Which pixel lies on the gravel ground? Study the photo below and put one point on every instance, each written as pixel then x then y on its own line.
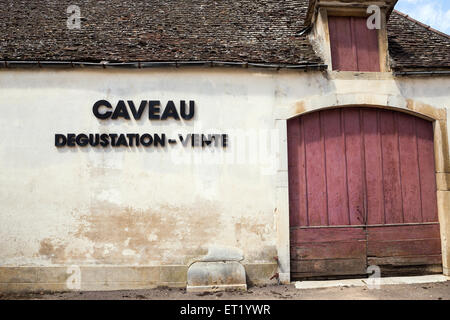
pixel 431 291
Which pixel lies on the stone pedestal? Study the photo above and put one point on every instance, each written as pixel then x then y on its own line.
pixel 219 270
pixel 216 276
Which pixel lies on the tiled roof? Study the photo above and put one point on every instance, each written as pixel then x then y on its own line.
pixel 415 45
pixel 255 31
pixel 263 31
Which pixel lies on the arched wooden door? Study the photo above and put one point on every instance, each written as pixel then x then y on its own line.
pixel 362 191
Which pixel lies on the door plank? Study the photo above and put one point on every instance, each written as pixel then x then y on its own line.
pixel 354 165
pixel 409 167
pixel 315 171
pixel 414 232
pixel 336 175
pixel 329 250
pixel 332 267
pixel 406 260
pixel 366 43
pixel 391 169
pixel 425 146
pixel 326 235
pixel 297 178
pixel 373 165
pixel 343 51
pixel 403 248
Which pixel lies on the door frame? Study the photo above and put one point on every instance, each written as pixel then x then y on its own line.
pixel 442 167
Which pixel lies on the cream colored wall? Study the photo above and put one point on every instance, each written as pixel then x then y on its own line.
pixel 165 206
pixel 139 206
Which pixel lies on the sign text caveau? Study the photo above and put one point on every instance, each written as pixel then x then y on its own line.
pixel 153 110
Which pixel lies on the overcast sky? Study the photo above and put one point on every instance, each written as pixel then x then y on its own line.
pixel 435 13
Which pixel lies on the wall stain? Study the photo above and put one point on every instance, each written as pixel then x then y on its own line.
pixel 265 255
pixel 300 107
pixel 52 250
pixel 426 109
pixel 165 234
pixel 248 233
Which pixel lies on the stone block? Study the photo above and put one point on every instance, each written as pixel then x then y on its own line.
pixel 443 198
pixel 260 273
pixel 443 181
pixel 18 274
pixel 102 286
pixel 145 274
pixel 442 153
pixel 52 275
pixel 93 274
pixel 173 275
pixel 216 276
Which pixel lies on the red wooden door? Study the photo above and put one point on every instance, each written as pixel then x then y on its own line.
pixel 354 47
pixel 361 192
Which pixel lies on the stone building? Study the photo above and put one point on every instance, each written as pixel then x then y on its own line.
pixel 143 139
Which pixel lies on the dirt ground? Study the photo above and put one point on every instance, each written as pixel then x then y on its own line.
pixel 431 291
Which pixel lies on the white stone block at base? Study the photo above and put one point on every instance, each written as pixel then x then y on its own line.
pixel 410 280
pixel 329 284
pixel 370 282
pixel 217 288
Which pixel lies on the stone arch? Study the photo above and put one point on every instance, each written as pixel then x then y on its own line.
pixel 438 115
pixel 385 101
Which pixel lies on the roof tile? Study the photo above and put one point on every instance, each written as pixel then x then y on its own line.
pixel 258 31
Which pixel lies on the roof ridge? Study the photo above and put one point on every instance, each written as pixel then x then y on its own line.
pixel 422 24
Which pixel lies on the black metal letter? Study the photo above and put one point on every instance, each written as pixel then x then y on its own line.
pixel 121 111
pixel 137 114
pixel 153 110
pixel 170 111
pixel 60 140
pixel 97 106
pixel 190 115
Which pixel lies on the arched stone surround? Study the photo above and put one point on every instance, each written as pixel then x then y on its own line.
pixel 437 114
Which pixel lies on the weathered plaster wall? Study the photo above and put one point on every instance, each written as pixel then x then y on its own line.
pixel 133 206
pixel 159 207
